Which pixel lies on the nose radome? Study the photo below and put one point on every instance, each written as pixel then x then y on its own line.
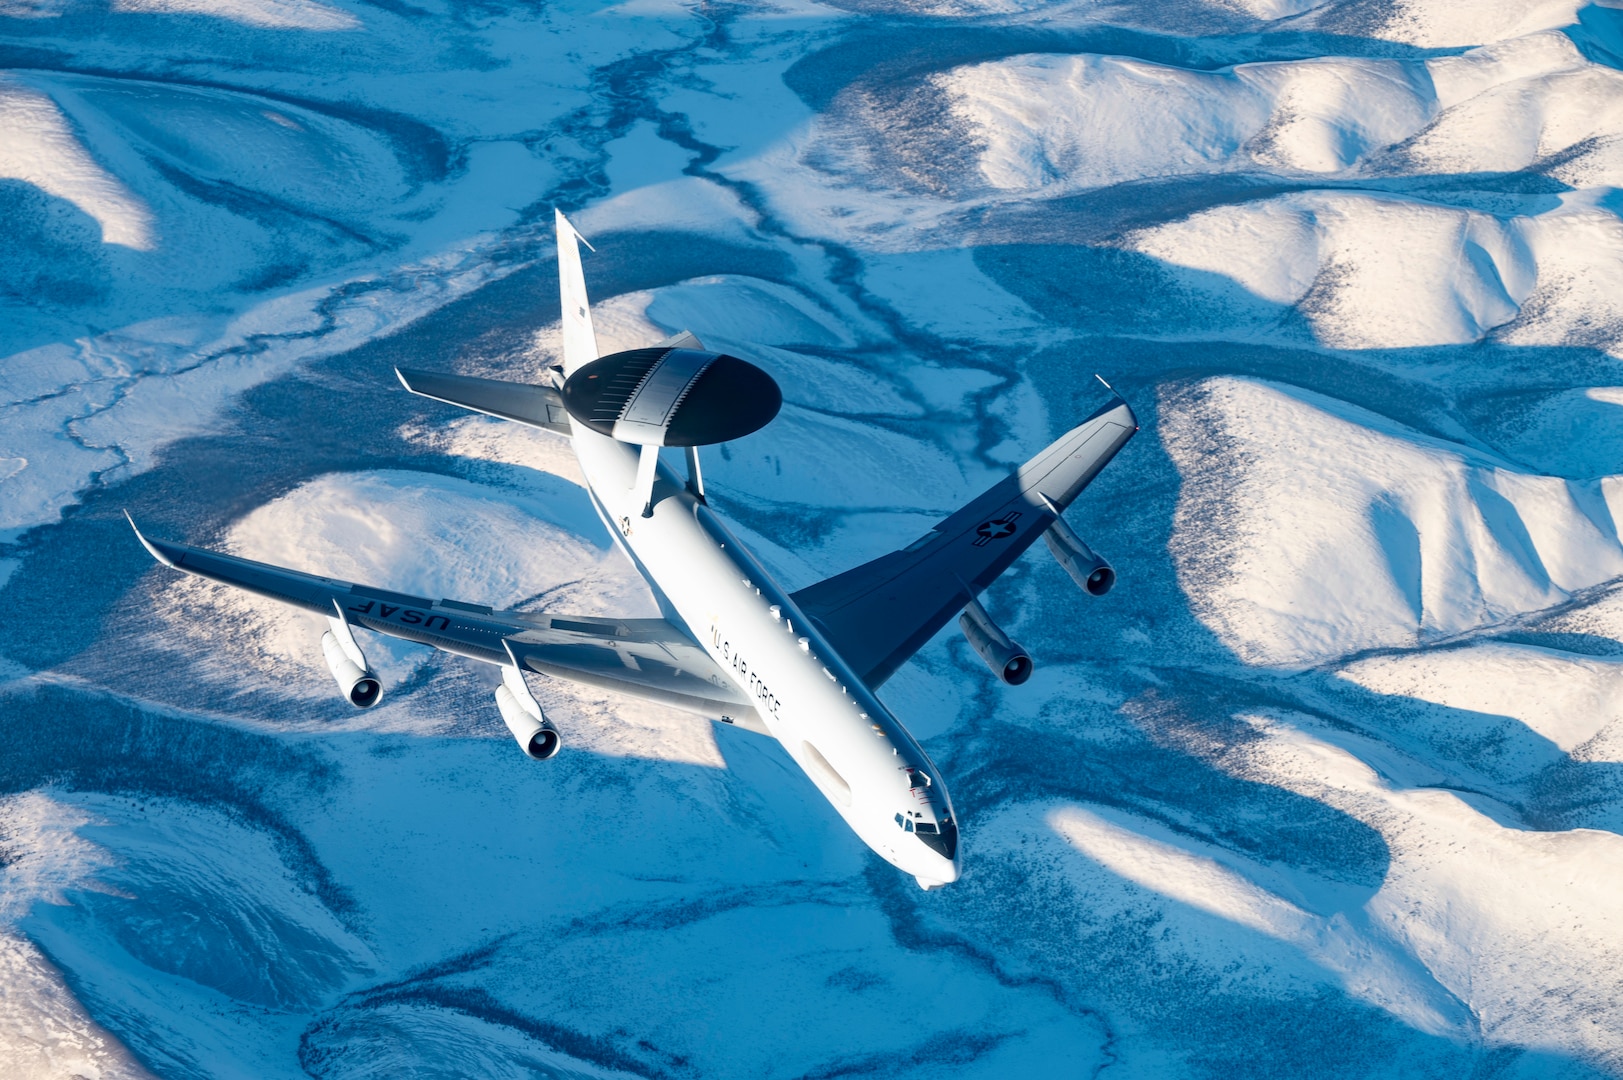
pixel 943 872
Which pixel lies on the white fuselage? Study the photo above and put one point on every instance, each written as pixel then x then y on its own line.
pixel 863 761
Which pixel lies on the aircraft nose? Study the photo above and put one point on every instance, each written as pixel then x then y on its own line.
pixel 943 873
pixel 942 840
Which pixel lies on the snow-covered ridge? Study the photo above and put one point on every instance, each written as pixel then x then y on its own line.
pixel 1383 271
pixel 41 149
pixel 1516 720
pixel 1396 227
pixel 1214 883
pixel 1474 901
pixel 1311 530
pixel 1425 23
pixel 280 14
pixel 1057 123
pixel 212 190
pixel 1328 786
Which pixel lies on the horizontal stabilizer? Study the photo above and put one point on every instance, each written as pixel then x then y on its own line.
pixel 682 340
pixel 537 406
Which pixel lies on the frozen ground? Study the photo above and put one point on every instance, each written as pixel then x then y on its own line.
pixel 1331 785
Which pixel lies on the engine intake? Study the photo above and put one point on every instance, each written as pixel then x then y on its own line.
pixel 521 713
pixel 358 683
pixel 1086 568
pixel 1007 659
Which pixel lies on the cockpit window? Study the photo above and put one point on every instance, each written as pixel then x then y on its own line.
pixel 943 842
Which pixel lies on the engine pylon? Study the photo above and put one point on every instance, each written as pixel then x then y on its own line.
pixel 522 714
pixel 1008 660
pixel 1086 567
pixel 356 681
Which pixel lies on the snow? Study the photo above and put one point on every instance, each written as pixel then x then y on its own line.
pixel 1087 121
pixel 48 1033
pixel 106 417
pixel 1383 272
pixel 1139 853
pixel 1059 122
pixel 1567 700
pixel 1572 432
pixel 1342 532
pixel 913 285
pixel 1479 903
pixel 1327 786
pixel 41 150
pixel 1435 23
pixel 1452 278
pixel 45 1031
pixel 281 14
pixel 747 310
pixel 238 234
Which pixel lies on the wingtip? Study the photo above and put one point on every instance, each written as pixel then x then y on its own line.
pixel 401 375
pixel 152 549
pixel 1121 401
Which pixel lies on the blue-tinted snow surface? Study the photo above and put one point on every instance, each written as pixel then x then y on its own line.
pixel 1331 785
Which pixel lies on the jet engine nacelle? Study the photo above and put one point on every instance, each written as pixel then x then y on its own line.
pixel 1008 660
pixel 523 716
pixel 359 685
pixel 1084 565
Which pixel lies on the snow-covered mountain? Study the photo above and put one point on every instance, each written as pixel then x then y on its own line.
pixel 1331 785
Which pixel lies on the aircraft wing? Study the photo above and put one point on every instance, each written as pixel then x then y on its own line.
pixel 648 658
pixel 879 614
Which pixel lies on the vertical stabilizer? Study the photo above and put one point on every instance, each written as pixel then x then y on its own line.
pixel 580 343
